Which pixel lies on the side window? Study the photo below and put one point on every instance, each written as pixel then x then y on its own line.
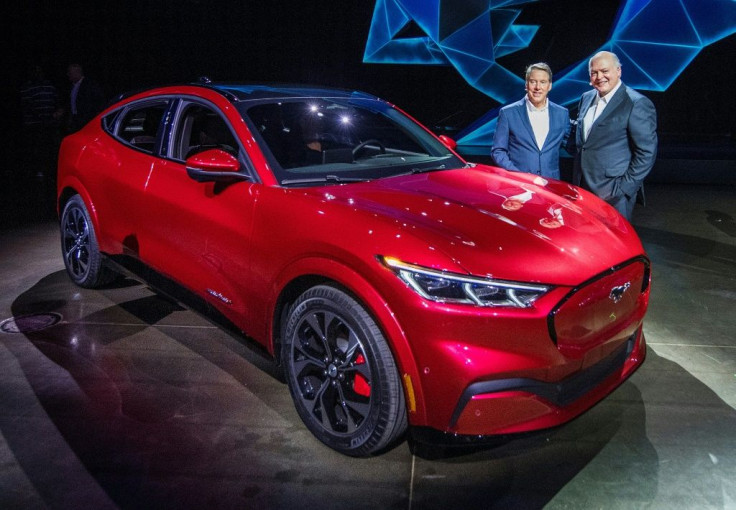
pixel 201 128
pixel 140 125
pixel 108 121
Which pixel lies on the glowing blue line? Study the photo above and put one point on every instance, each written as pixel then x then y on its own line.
pixel 641 69
pixel 690 20
pixel 652 43
pixel 648 19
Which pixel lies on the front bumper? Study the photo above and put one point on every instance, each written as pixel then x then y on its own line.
pixel 522 404
pixel 490 372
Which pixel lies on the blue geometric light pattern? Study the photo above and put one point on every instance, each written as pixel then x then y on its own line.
pixel 467 34
pixel 655 40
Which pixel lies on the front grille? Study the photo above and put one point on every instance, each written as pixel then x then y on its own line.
pixel 605 309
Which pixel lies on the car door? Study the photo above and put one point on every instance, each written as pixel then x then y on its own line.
pixel 119 184
pixel 198 233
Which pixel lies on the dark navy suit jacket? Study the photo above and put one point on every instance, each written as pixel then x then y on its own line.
pixel 514 145
pixel 90 102
pixel 620 150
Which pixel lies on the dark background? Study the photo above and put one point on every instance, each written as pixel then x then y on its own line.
pixel 126 45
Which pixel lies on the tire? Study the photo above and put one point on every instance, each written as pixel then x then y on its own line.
pixel 341 373
pixel 82 257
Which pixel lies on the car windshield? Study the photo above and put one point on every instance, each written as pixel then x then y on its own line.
pixel 312 141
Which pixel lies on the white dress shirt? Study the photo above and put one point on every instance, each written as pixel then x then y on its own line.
pixel 539 119
pixel 595 110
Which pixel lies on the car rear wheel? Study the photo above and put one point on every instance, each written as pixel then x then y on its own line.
pixel 342 374
pixel 82 257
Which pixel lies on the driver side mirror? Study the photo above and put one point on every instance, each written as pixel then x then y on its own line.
pixel 214 165
pixel 449 142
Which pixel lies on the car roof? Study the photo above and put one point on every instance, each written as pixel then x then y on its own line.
pixel 237 92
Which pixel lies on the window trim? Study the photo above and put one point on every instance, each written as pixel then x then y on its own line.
pixel 121 113
pixel 174 118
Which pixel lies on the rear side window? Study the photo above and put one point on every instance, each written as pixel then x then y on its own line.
pixel 140 125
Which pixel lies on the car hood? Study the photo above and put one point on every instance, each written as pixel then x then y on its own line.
pixel 505 225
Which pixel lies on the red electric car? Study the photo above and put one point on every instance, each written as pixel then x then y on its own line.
pixel 394 283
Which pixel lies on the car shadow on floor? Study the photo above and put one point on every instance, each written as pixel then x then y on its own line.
pixel 166 411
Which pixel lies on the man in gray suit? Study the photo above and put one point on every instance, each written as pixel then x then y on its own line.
pixel 616 138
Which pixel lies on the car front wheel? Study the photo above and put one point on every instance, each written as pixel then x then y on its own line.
pixel 82 257
pixel 342 374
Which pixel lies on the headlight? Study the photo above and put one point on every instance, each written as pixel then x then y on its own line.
pixel 455 288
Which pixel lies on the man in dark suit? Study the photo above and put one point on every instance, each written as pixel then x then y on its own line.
pixel 86 98
pixel 529 132
pixel 616 136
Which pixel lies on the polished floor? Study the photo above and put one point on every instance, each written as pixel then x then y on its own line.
pixel 131 402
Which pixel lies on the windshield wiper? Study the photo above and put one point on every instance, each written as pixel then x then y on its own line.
pixel 427 169
pixel 329 179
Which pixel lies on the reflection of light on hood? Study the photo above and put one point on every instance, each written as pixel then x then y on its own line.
pixel 500 217
pixel 555 220
pixel 556 212
pixel 511 222
pixel 540 235
pixel 523 197
pixel 573 207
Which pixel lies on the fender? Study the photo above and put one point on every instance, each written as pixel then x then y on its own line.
pixel 73 186
pixel 376 305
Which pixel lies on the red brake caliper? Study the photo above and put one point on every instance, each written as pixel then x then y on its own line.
pixel 360 385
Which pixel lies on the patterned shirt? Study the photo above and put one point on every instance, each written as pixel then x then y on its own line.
pixel 38 102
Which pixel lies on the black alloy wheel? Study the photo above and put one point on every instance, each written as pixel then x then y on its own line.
pixel 82 257
pixel 341 373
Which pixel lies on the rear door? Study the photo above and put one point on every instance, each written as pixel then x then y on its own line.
pixel 120 192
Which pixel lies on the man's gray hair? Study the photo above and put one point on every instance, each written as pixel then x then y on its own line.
pixel 608 54
pixel 540 66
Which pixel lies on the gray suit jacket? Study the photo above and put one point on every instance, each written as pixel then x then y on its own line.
pixel 621 147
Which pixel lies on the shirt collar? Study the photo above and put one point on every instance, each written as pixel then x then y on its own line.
pixel 610 94
pixel 530 107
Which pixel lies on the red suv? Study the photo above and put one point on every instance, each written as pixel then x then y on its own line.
pixel 394 283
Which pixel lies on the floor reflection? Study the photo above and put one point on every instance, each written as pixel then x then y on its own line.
pixel 151 410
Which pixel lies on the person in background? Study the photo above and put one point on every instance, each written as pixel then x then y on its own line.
pixel 39 102
pixel 530 132
pixel 616 136
pixel 86 99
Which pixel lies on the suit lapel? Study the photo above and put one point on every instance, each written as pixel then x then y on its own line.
pixel 527 123
pixel 615 101
pixel 553 124
pixel 586 103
